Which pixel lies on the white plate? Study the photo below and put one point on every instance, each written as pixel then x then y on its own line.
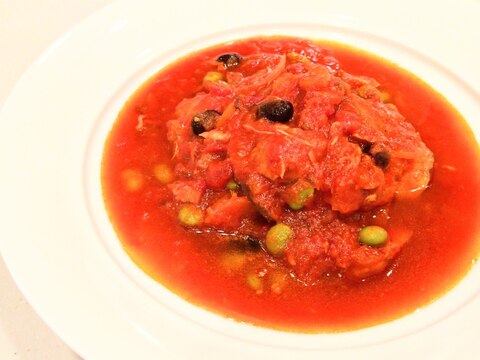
pixel 55 236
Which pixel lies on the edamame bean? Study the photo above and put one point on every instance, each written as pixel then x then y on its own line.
pixel 277 238
pixel 190 215
pixel 232 185
pixel 163 173
pixel 132 180
pixel 301 199
pixel 213 76
pixel 373 235
pixel 254 282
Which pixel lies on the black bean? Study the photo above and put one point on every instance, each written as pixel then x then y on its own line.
pixel 244 243
pixel 204 121
pixel 230 61
pixel 252 243
pixel 382 159
pixel 380 156
pixel 276 111
pixel 365 145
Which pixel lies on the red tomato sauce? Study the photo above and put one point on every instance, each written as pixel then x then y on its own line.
pixel 158 175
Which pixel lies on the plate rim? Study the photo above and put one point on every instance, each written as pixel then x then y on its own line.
pixel 54 47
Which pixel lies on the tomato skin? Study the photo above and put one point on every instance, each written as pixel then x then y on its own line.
pixel 228 212
pixel 218 174
pixel 188 191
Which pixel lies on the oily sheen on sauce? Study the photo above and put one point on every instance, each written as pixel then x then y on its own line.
pixel 236 276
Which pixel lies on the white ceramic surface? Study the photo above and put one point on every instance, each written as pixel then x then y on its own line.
pixel 26 29
pixel 57 240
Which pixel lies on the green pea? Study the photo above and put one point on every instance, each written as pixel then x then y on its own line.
pixel 277 238
pixel 213 76
pixel 373 235
pixel 163 173
pixel 232 185
pixel 254 282
pixel 295 205
pixel 301 199
pixel 190 215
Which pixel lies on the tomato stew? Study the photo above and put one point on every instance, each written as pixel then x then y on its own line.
pixel 299 185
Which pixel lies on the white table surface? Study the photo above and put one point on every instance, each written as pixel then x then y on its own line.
pixel 26 28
